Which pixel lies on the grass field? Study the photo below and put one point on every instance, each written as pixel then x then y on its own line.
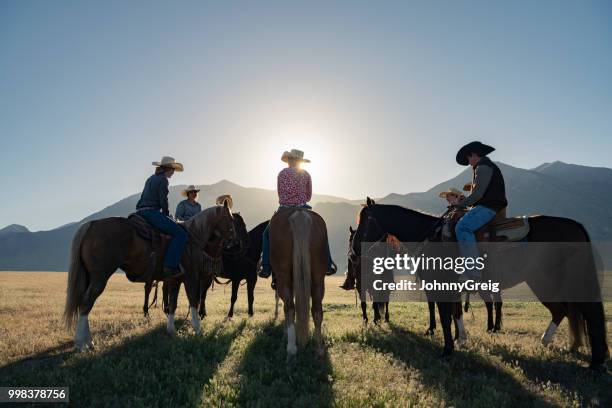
pixel 242 362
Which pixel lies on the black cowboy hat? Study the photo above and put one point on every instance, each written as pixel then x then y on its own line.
pixel 480 149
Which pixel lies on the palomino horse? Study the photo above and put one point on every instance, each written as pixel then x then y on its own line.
pixel 410 226
pixel 100 247
pixel 298 256
pixel 239 268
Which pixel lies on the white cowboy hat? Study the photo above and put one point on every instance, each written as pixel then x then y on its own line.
pixel 451 190
pixel 225 197
pixel 168 161
pixel 186 191
pixel 294 154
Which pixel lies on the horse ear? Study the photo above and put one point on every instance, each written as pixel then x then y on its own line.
pixel 368 201
pixel 351 230
pixel 225 204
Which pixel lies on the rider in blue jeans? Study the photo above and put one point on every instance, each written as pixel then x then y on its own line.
pixel 153 206
pixel 488 197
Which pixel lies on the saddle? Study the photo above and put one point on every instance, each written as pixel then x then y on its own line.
pixel 499 229
pixel 158 243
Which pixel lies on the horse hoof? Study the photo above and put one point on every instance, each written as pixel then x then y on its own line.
pixel 227 319
pixel 461 342
pixel 430 332
pixel 599 368
pixel 446 355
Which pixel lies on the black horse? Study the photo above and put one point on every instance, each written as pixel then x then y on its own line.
pixel 376 306
pixel 239 266
pixel 407 225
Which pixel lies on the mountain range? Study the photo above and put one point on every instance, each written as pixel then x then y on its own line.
pixel 580 192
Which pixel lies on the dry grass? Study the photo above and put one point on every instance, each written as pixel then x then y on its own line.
pixel 243 362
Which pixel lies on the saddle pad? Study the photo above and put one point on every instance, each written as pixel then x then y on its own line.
pixel 144 229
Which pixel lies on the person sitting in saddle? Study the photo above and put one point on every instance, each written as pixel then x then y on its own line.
pixel 188 207
pixel 294 187
pixel 487 198
pixel 153 207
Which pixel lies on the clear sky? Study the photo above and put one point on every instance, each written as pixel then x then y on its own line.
pixel 379 94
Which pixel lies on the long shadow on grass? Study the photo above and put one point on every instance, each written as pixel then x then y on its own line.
pixel 467 379
pixel 149 370
pixel 588 385
pixel 267 379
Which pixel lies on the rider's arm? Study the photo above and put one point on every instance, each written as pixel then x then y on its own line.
pixel 482 178
pixel 308 186
pixel 163 196
pixel 180 211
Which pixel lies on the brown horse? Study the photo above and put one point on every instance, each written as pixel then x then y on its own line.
pixel 101 247
pixel 298 240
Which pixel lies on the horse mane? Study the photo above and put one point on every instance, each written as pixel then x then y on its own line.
pixel 199 222
pixel 404 223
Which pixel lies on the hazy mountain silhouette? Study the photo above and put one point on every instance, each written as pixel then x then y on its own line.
pixel 579 192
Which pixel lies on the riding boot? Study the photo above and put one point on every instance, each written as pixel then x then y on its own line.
pixel 264 270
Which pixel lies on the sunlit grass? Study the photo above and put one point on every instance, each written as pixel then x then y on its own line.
pixel 243 362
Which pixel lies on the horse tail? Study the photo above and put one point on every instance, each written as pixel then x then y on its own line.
pixel 301 225
pixel 77 278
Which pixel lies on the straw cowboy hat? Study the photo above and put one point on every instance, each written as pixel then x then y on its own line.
pixel 189 189
pixel 168 162
pixel 451 190
pixel 225 197
pixel 480 149
pixel 294 154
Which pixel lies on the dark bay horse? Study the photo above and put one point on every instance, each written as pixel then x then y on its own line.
pixel 239 268
pixel 101 247
pixel 376 306
pixel 298 256
pixel 410 226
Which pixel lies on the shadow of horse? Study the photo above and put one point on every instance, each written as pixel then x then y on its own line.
pixel 151 369
pixel 267 379
pixel 463 381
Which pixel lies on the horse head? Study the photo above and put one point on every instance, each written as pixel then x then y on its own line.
pixel 237 245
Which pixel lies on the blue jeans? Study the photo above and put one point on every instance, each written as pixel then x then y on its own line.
pixel 168 226
pixel 265 245
pixel 465 229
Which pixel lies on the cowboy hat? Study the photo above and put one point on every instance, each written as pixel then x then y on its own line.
pixel 294 154
pixel 225 197
pixel 480 149
pixel 451 190
pixel 189 189
pixel 168 162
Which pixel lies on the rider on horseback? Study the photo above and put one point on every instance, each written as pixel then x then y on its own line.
pixel 188 207
pixel 487 198
pixel 294 187
pixel 153 207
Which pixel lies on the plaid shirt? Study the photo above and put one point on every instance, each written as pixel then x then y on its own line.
pixel 294 187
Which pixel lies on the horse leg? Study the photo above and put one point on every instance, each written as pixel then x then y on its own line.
pixel 173 291
pixel 251 281
pixel 386 312
pixel 459 326
pixel 289 308
pixel 558 312
pixel 364 312
pixel 235 284
pixel 594 316
pixel 145 308
pixel 375 306
pixel 432 319
pixel 82 338
pixel 204 286
pixel 317 292
pixel 165 299
pixel 445 311
pixel 498 313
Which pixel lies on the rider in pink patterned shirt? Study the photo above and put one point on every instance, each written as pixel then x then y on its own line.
pixel 294 190
pixel 294 187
